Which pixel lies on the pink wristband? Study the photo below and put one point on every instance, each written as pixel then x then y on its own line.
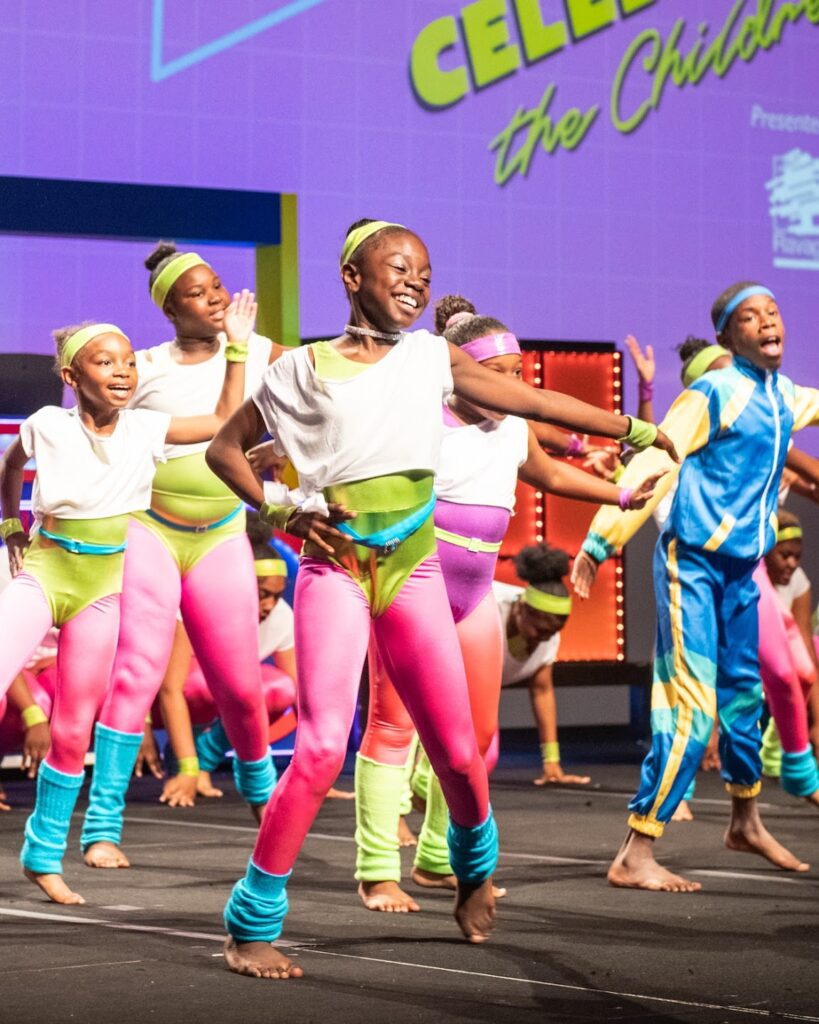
pixel 646 390
pixel 574 445
pixel 625 498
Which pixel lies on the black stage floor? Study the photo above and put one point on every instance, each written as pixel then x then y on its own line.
pixel 147 945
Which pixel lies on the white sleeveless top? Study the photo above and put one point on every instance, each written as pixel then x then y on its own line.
pixel 81 475
pixel 386 419
pixel 480 461
pixel 515 671
pixel 192 389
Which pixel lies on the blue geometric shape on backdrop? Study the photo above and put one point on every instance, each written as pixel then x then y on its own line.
pixel 161 69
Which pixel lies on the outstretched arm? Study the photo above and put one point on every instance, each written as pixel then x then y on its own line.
pixel 507 395
pixel 547 474
pixel 646 368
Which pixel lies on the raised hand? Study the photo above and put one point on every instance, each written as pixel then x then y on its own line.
pixel 664 441
pixel 584 573
pixel 643 361
pixel 240 317
pixel 603 462
pixel 645 492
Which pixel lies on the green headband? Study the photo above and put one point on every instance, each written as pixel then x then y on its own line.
pixel 557 604
pixel 699 364
pixel 170 274
pixel 789 533
pixel 360 235
pixel 270 567
pixel 81 337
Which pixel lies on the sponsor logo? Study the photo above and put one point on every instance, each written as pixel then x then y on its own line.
pixel 793 194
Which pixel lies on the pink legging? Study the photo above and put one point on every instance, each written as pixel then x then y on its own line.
pixel 85 656
pixel 389 733
pixel 785 665
pixel 417 640
pixel 219 603
pixel 278 690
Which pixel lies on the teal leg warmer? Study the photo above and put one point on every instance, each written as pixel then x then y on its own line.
pixel 211 746
pixel 257 906
pixel 115 754
pixel 47 827
pixel 800 776
pixel 255 780
pixel 473 852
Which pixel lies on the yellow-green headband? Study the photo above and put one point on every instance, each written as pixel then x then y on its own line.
pixel 81 337
pixel 169 275
pixel 557 604
pixel 789 533
pixel 270 567
pixel 698 365
pixel 360 235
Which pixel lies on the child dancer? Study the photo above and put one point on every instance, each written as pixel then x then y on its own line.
pixel 787 657
pixel 94 467
pixel 734 426
pixel 483 454
pixel 360 419
pixel 188 551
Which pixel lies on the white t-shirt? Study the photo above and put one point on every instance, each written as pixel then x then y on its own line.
pixel 81 475
pixel 515 671
pixel 276 631
pixel 798 585
pixel 479 462
pixel 192 389
pixel 386 419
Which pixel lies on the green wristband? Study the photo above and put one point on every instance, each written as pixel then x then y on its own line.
pixel 550 752
pixel 10 526
pixel 189 766
pixel 33 715
pixel 640 435
pixel 277 516
pixel 236 351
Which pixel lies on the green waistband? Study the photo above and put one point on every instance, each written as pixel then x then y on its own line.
pixel 394 493
pixel 470 543
pixel 111 530
pixel 185 488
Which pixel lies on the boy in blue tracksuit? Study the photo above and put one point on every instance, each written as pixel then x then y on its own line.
pixel 734 428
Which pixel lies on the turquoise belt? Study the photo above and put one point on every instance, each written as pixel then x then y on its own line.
pixel 202 528
pixel 388 539
pixel 83 547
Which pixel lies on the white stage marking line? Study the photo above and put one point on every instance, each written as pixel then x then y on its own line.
pixel 794 878
pixel 542 858
pixel 302 947
pixel 614 794
pixel 72 967
pixel 227 828
pixel 753 1011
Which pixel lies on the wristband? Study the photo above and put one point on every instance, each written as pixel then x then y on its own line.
pixel 645 390
pixel 276 515
pixel 574 446
pixel 550 752
pixel 10 526
pixel 236 351
pixel 624 501
pixel 33 715
pixel 640 434
pixel 189 766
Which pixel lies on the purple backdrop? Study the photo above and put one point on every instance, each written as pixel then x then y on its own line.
pixel 629 232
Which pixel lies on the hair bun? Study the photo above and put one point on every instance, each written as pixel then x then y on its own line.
pixel 162 251
pixel 448 307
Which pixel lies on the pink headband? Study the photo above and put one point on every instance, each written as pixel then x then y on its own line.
pixel 456 318
pixel 490 345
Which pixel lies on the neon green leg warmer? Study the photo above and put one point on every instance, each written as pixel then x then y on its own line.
pixel 378 789
pixel 433 852
pixel 421 774
pixel 406 797
pixel 771 751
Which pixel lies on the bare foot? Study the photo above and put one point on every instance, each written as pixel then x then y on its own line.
pixel 259 960
pixel 339 794
pixel 553 775
pixel 431 880
pixel 747 834
pixel 406 837
pixel 475 910
pixel 683 812
pixel 386 896
pixel 54 887
pixel 205 786
pixel 634 867
pixel 813 798
pixel 105 855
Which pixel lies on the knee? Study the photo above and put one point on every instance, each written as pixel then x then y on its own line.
pixel 319 763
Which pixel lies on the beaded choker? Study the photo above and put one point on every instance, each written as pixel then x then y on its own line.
pixel 368 332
